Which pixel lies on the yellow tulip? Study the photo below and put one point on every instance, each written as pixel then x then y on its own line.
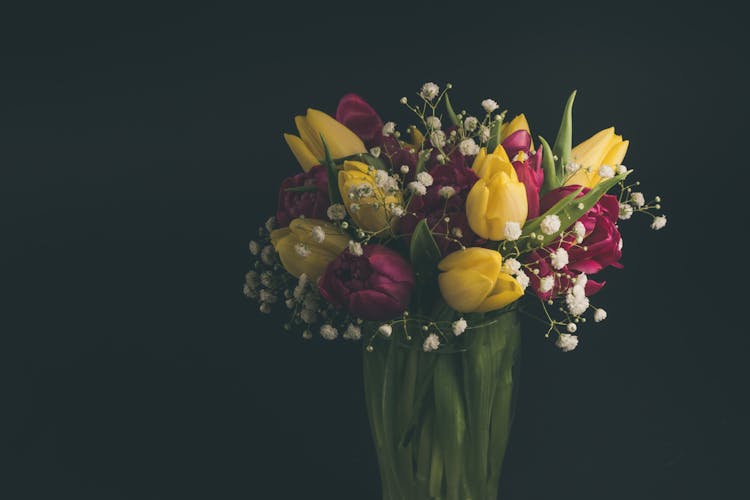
pixel 308 146
pixel 603 148
pixel 473 281
pixel 516 124
pixel 498 197
pixel 301 249
pixel 372 211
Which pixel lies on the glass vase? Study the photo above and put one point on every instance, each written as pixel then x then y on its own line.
pixel 441 420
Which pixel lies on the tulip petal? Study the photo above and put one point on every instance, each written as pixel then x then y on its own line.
pixel 616 154
pixel 486 261
pixel 479 160
pixel 505 291
pixel 303 154
pixel 464 289
pixel 516 124
pixel 590 152
pixel 476 208
pixel 310 137
pixel 341 141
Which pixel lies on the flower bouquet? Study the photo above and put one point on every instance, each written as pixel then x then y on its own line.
pixel 421 245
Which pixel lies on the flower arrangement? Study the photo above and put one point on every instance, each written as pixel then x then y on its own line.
pixel 422 243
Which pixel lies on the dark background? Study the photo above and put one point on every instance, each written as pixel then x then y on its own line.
pixel 140 147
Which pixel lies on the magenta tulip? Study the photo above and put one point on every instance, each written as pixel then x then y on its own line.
pixel 360 118
pixel 374 286
pixel 528 167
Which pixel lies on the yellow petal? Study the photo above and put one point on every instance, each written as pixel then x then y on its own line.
pixel 335 241
pixel 505 291
pixel 582 177
pixel 500 151
pixel 303 154
pixel 310 137
pixel 516 124
pixel 590 152
pixel 494 164
pixel 278 234
pixel 479 159
pixel 616 154
pixel 476 208
pixel 464 289
pixel 483 260
pixel 507 203
pixel 341 141
pixel 417 138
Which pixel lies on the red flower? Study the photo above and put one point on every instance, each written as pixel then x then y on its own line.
pixel 600 248
pixel 528 167
pixel 434 207
pixel 312 204
pixel 360 118
pixel 374 286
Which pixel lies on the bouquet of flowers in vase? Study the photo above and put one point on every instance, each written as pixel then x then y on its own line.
pixel 421 244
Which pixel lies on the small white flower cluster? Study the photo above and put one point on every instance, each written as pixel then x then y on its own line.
pixel 513 267
pixel 419 186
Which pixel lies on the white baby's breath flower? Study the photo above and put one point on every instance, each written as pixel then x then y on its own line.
pixel 659 222
pixel 468 147
pixel 447 191
pixel 456 231
pixel 254 247
pixel 354 207
pixel 385 330
pixel 290 303
pixel 266 278
pixel 620 243
pixel 404 169
pixel 265 308
pixel 433 123
pixel 328 332
pixel 550 224
pixel 471 123
pixel 522 279
pixel 270 223
pixel 417 188
pixel 431 343
pixel 580 231
pixel 512 231
pixel 353 332
pixel 437 138
pixel 429 91
pixel 355 248
pixel 268 296
pixel 581 280
pixel 511 266
pixel 489 105
pixel 546 283
pixel 600 315
pixel 621 169
pixel 375 151
pixel 559 258
pixel 637 199
pixel 337 211
pixel 567 342
pixel 425 178
pixel 626 211
pixel 389 128
pixel 397 211
pixel 577 301
pixel 308 316
pixel 318 234
pixel 459 326
pixel 606 172
pixel 302 249
pixel 572 167
pixel 571 327
pixel 268 255
pixel 307 335
pixel 484 134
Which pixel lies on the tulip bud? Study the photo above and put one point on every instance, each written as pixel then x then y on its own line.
pixel 369 207
pixel 300 252
pixel 308 147
pixel 473 281
pixel 497 197
pixel 603 148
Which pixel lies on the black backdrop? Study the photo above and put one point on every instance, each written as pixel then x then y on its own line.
pixel 141 147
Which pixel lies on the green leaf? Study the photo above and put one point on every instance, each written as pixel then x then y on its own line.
pixel 564 140
pixel 551 180
pixel 424 255
pixel 333 174
pixel 451 113
pixel 569 210
pixel 421 160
